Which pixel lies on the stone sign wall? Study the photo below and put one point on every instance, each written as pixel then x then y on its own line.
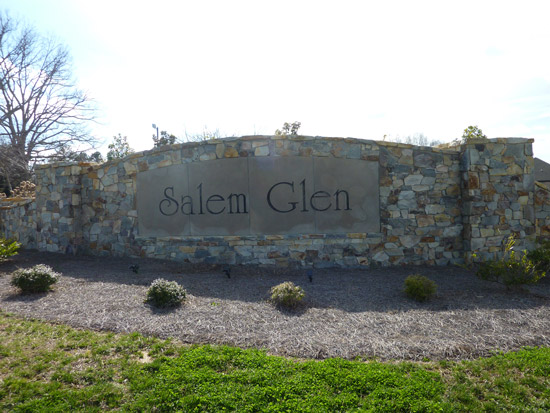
pixel 303 201
pixel 244 196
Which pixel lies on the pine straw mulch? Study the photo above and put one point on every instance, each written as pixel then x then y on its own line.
pixel 347 313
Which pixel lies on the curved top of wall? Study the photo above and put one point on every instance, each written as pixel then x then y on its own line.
pixel 266 145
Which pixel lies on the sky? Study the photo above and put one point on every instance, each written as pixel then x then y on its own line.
pixel 360 69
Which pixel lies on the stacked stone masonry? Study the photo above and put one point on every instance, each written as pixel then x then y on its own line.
pixel 438 206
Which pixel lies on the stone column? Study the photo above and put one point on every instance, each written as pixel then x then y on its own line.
pixel 58 202
pixel 498 195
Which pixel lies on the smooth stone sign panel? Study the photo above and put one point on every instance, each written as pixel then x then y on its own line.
pixel 263 195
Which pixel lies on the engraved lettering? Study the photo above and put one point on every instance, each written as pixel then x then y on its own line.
pixel 291 184
pixel 168 206
pixel 214 198
pixel 319 195
pixel 238 198
pixel 185 203
pixel 200 199
pixel 303 185
pixel 336 195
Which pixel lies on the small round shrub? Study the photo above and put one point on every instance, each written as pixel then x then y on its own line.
pixel 163 293
pixel 287 294
pixel 36 279
pixel 419 288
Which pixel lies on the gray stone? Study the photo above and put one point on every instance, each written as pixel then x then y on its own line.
pixel 95 229
pixel 381 256
pixel 517 151
pixel 424 159
pixel 414 179
pixel 409 241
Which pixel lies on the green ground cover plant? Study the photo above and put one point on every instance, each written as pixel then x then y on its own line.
pixel 45 367
pixel 8 248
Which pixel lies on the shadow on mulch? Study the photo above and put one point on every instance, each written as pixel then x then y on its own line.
pixel 351 290
pixel 25 297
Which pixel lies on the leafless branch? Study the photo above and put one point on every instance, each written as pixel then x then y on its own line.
pixel 41 109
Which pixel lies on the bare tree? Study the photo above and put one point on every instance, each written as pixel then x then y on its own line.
pixel 13 168
pixel 205 135
pixel 41 110
pixel 418 139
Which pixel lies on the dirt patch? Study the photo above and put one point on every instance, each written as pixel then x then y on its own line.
pixel 348 313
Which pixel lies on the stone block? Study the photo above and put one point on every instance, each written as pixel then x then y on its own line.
pixel 414 179
pixel 433 209
pixel 424 220
pixel 409 241
pixel 261 151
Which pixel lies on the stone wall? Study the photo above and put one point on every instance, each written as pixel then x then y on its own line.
pixel 542 210
pixel 437 205
pixel 18 220
pixel 498 195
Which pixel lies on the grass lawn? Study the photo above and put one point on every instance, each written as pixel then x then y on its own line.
pixel 48 367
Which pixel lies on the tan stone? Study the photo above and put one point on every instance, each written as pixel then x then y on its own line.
pixel 231 153
pixel 487 232
pixel 166 162
pixel 187 250
pixel 424 220
pixel 442 218
pixel 275 237
pixel 453 190
pixel 406 157
pixel 129 167
pixel 385 181
pixel 514 169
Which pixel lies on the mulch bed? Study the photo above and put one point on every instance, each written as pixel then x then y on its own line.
pixel 347 313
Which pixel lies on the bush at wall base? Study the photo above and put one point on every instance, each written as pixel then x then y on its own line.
pixel 37 279
pixel 8 248
pixel 419 287
pixel 287 295
pixel 163 293
pixel 541 256
pixel 515 269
